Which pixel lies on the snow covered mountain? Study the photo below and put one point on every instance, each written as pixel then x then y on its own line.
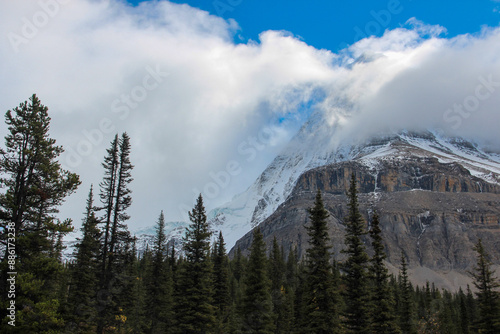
pixel 174 231
pixel 316 145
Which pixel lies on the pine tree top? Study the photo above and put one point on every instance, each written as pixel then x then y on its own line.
pixel 197 238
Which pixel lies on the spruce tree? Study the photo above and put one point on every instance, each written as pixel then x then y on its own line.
pixel 276 266
pixel 292 268
pixel 126 316
pixel 301 300
pixel 195 310
pixel 446 317
pixel 280 292
pixel 383 305
pixel 159 286
pixel 471 305
pixel 123 199
pixel 115 197
pixel 35 185
pixel 238 264
pixel 222 299
pixel 137 312
pixel 83 288
pixel 357 313
pixel 464 313
pixel 237 272
pixel 488 298
pixel 406 305
pixel 256 312
pixel 321 294
pixel 107 195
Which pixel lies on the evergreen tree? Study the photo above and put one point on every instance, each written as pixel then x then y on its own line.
pixel 471 305
pixel 464 314
pixel 124 287
pixel 138 314
pixel 256 312
pixel 428 302
pixel 35 186
pixel 321 295
pixel 292 268
pixel 276 266
pixel 280 292
pixel 115 197
pixel 195 310
pixel 356 274
pixel 301 300
pixel 107 195
pixel 132 313
pixel 447 317
pixel 291 286
pixel 405 306
pixel 123 200
pixel 238 264
pixel 159 286
pixel 221 285
pixel 83 288
pixel 488 298
pixel 383 305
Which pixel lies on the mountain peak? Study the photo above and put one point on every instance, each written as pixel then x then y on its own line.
pixel 318 143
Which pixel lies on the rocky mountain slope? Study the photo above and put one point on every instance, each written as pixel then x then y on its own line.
pixel 316 145
pixel 435 197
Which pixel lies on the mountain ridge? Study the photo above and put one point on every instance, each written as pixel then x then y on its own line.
pixel 435 199
pixel 275 184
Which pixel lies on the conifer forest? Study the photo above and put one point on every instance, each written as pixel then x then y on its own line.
pixel 107 286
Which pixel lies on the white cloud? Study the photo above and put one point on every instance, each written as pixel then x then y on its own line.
pixel 212 95
pixel 447 74
pixel 86 59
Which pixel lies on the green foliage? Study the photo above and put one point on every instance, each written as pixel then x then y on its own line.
pixel 35 186
pixel 115 197
pixel 406 301
pixel 488 298
pixel 222 299
pixel 382 303
pixel 357 292
pixel 195 311
pixel 34 180
pixel 281 293
pixel 256 313
pixel 84 272
pixel 159 284
pixel 321 291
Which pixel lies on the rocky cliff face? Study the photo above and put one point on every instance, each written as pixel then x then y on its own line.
pixel 433 211
pixel 423 173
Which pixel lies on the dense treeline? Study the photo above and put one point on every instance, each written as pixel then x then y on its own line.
pixel 108 287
